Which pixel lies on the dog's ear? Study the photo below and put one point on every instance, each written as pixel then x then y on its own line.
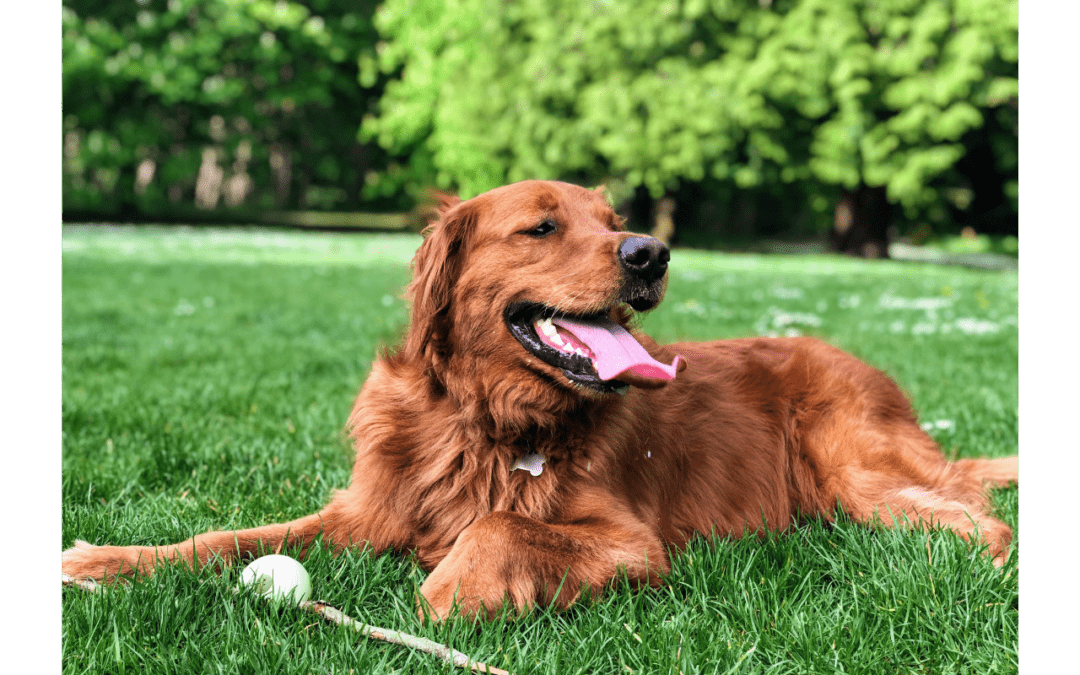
pixel 446 202
pixel 436 267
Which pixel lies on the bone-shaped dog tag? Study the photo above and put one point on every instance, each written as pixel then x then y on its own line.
pixel 533 462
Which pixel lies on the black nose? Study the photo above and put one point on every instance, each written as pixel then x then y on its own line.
pixel 644 257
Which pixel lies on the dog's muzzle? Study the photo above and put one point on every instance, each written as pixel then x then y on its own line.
pixel 644 262
pixel 594 350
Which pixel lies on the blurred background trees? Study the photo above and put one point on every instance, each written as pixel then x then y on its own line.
pixel 187 107
pixel 730 119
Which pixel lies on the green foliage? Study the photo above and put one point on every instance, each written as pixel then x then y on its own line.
pixel 808 92
pixel 256 103
pixel 260 96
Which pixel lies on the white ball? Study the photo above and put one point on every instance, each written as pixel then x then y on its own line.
pixel 278 577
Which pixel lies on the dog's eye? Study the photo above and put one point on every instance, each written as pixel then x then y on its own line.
pixel 546 227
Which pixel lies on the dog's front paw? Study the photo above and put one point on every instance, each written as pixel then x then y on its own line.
pixel 444 595
pixel 104 563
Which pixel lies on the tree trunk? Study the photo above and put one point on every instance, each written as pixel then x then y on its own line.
pixel 861 223
pixel 663 224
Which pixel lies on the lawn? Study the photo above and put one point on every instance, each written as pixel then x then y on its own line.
pixel 207 374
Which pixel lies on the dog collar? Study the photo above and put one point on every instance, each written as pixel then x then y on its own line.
pixel 533 462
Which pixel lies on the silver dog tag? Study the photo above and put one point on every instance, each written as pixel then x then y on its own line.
pixel 533 462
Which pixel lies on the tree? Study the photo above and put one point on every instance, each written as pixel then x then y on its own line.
pixel 213 102
pixel 822 96
pixel 903 83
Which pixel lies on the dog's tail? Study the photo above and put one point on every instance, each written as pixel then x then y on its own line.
pixel 1000 472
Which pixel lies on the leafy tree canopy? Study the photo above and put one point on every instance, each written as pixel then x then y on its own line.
pixel 837 92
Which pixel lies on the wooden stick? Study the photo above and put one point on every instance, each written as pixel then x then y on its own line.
pixel 335 615
pixel 396 637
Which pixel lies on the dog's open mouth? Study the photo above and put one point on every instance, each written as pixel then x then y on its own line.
pixel 593 351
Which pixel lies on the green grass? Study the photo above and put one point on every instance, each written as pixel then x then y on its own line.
pixel 207 375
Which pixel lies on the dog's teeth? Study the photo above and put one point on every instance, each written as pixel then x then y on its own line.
pixel 549 329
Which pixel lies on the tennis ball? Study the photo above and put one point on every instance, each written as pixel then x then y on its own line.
pixel 278 577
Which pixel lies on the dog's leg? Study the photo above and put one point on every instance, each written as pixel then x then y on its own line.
pixel 923 507
pixel 887 469
pixel 86 561
pixel 506 557
pixel 1000 472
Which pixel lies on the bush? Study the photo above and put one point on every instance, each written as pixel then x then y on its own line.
pixel 211 103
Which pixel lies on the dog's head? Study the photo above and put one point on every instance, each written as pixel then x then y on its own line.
pixel 537 281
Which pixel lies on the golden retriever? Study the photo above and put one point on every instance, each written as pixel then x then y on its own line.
pixel 527 442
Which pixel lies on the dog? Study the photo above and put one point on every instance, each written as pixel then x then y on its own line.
pixel 529 444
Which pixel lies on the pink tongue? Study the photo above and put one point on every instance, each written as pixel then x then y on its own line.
pixel 616 351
